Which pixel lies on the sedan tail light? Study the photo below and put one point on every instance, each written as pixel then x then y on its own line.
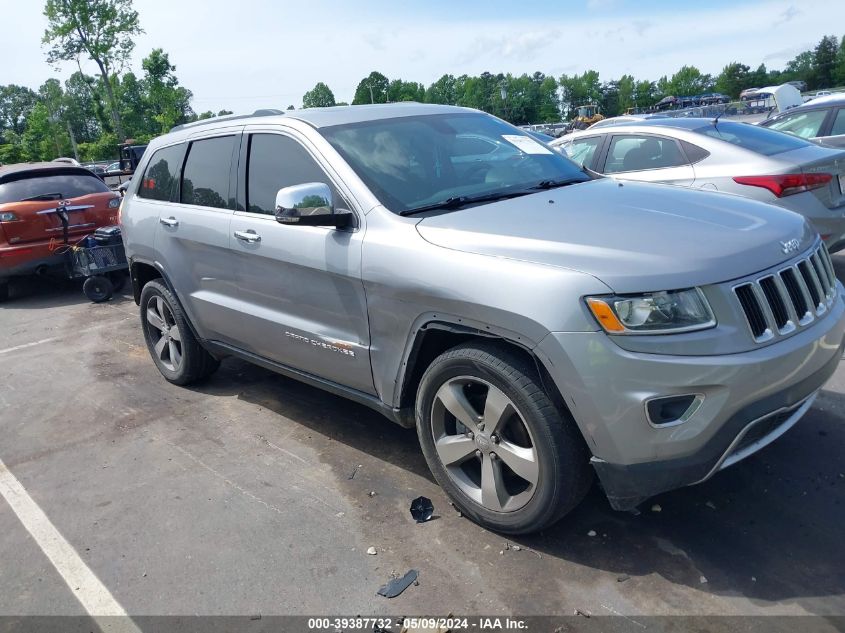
pixel 786 184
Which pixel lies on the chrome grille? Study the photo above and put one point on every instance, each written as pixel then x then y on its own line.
pixel 776 304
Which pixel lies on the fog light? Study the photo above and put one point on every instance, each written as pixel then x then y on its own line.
pixel 672 410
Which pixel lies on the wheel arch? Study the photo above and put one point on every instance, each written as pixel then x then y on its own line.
pixel 433 337
pixel 142 272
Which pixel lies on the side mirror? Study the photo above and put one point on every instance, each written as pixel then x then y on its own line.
pixel 309 204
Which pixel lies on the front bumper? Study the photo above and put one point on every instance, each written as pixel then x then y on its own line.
pixel 750 398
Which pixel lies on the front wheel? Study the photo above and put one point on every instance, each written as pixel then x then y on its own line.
pixel 171 343
pixel 496 443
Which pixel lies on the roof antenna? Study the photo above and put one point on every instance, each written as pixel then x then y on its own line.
pixel 716 120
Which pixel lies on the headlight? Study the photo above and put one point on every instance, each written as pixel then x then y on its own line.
pixel 114 203
pixel 653 312
pixel 8 216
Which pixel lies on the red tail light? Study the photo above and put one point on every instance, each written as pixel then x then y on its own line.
pixel 786 184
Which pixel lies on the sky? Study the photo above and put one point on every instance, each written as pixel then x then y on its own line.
pixel 251 54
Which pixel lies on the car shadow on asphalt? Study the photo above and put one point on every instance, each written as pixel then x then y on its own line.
pixel 28 293
pixel 768 528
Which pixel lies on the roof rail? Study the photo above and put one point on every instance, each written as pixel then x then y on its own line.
pixel 230 117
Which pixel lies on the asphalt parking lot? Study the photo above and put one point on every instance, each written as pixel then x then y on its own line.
pixel 256 495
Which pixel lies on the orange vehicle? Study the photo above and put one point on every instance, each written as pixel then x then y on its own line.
pixel 33 197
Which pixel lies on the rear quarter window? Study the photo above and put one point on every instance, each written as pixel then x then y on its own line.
pixel 162 173
pixel 64 185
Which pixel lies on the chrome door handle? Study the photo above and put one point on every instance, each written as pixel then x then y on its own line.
pixel 171 221
pixel 248 236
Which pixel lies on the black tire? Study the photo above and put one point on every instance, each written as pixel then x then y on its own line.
pixel 118 280
pixel 562 458
pixel 194 362
pixel 98 288
pixel 4 291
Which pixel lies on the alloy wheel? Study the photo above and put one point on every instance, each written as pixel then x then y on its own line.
pixel 484 444
pixel 164 333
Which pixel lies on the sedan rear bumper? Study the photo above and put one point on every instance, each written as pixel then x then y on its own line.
pixel 27 259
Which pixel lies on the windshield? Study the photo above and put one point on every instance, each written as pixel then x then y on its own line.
pixel 753 137
pixel 412 162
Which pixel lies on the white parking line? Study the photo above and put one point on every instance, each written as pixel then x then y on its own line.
pixel 91 593
pixel 25 345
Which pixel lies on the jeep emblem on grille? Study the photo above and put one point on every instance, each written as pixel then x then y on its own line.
pixel 790 246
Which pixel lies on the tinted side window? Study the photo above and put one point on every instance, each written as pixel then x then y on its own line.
pixel 159 182
pixel 583 150
pixel 694 152
pixel 838 123
pixel 637 153
pixel 55 184
pixel 205 179
pixel 274 162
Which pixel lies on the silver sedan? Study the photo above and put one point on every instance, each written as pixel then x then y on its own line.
pixel 723 156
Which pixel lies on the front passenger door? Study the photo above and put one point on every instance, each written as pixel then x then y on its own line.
pixel 301 291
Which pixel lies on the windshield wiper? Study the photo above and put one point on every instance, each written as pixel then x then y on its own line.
pixel 460 201
pixel 554 184
pixel 43 196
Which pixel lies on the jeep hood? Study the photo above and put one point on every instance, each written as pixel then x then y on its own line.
pixel 634 237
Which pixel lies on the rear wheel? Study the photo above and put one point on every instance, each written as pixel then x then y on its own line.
pixel 98 288
pixel 495 441
pixel 171 343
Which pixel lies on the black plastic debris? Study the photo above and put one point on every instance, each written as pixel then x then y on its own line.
pixel 398 585
pixel 422 509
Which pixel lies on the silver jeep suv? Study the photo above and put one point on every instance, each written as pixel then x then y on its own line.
pixel 536 325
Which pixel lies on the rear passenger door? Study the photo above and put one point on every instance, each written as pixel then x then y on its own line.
pixel 647 158
pixel 301 287
pixel 192 236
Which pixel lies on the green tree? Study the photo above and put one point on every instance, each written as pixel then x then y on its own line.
pixel 626 87
pixel 102 30
pixel 580 90
pixel 824 61
pixel 167 102
pixel 801 69
pixel 371 89
pixel 733 79
pixel 399 90
pixel 16 102
pixel 689 81
pixel 320 96
pixel 224 113
pixel 443 91
pixel 839 71
pixel 79 107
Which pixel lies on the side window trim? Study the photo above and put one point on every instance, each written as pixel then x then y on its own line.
pixel 243 166
pixel 173 197
pixel 836 112
pixel 232 158
pixel 654 136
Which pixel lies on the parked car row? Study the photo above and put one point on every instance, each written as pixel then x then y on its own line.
pixel 535 324
pixel 725 156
